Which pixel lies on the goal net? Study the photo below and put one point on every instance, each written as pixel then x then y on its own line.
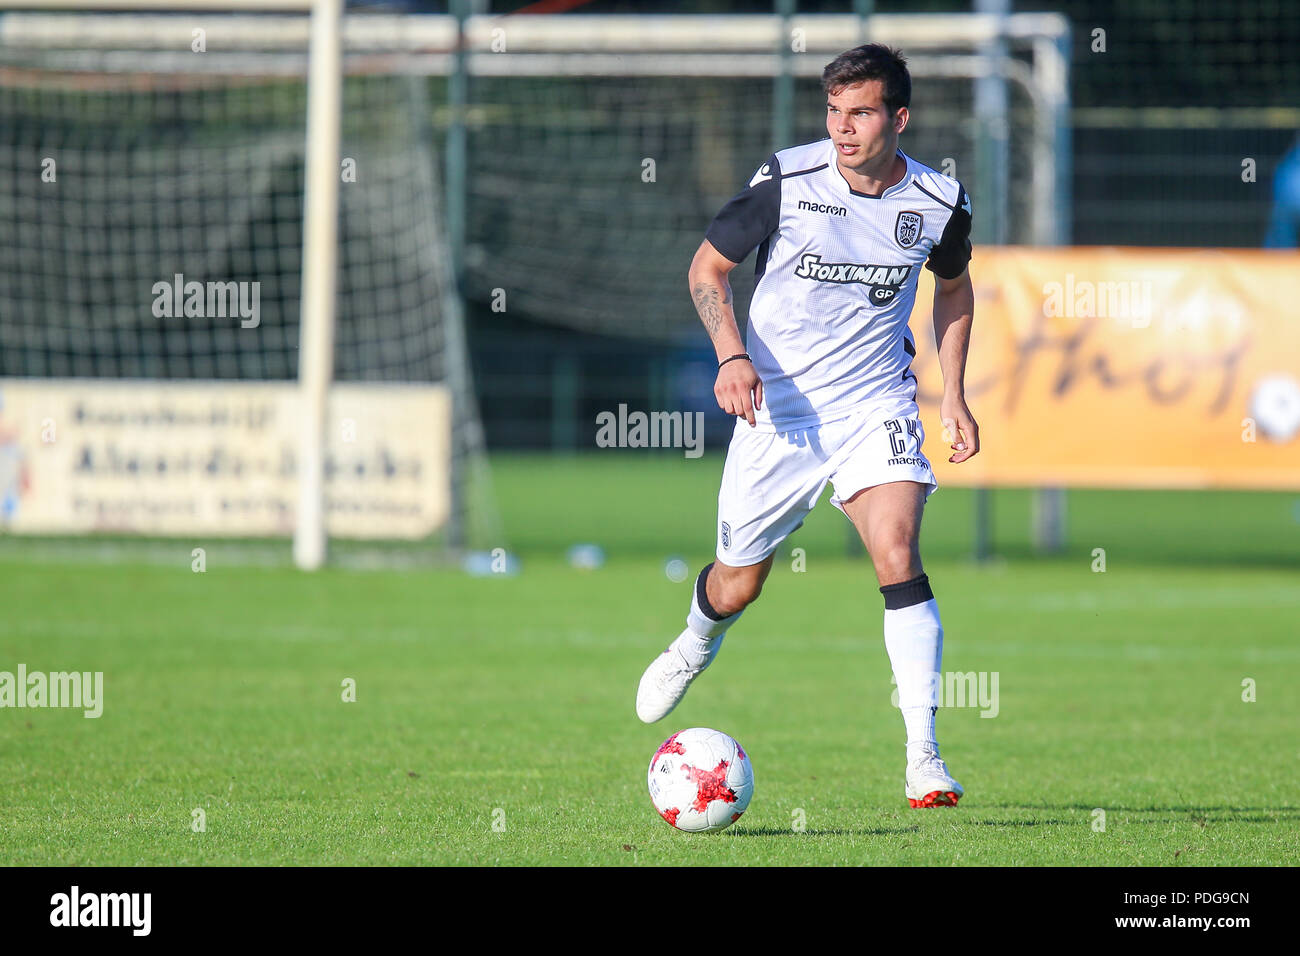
pixel 602 146
pixel 151 233
pixel 151 220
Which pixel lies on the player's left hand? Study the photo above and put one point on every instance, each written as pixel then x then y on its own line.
pixel 959 428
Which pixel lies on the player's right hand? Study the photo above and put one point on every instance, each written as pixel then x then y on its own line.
pixel 739 390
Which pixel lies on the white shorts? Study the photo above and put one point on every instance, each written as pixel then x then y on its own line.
pixel 771 480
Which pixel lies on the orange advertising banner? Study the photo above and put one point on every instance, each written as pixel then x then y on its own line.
pixel 1115 367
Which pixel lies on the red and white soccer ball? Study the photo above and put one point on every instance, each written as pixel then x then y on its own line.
pixel 700 780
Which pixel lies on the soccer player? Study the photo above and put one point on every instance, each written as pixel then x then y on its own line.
pixel 823 390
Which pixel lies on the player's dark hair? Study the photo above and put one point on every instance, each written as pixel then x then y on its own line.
pixel 873 61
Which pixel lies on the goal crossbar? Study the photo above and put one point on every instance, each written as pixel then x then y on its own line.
pixel 647 35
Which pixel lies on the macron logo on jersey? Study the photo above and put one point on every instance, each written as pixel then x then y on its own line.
pixel 763 175
pixel 821 207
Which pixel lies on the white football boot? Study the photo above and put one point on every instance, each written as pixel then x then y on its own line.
pixel 929 784
pixel 665 682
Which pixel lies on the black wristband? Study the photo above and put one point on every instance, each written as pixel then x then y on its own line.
pixel 742 355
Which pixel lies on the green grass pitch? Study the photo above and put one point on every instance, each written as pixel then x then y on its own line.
pixel 494 724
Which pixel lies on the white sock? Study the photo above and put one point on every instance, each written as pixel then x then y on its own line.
pixel 695 650
pixel 703 635
pixel 914 640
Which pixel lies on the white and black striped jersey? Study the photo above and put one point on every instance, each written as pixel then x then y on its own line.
pixel 837 280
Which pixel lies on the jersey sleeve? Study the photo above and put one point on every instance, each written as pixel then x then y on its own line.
pixel 950 255
pixel 751 216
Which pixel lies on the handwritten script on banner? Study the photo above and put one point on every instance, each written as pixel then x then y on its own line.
pixel 1113 367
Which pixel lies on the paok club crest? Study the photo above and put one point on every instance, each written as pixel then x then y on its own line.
pixel 907 230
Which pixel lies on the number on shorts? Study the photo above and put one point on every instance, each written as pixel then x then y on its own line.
pixel 895 427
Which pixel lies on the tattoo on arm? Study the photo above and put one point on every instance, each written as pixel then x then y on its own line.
pixel 708 305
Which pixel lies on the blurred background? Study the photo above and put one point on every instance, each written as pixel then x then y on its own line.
pixel 521 189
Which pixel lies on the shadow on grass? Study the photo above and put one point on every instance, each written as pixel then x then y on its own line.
pixel 1021 823
pixel 787 831
pixel 1192 556
pixel 1173 813
pixel 1144 815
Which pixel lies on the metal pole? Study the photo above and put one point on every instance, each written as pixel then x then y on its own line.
pixel 454 202
pixel 319 260
pixel 991 148
pixel 457 143
pixel 863 9
pixel 783 84
pixel 990 196
pixel 983 524
pixel 1052 63
pixel 1049 519
pixel 564 403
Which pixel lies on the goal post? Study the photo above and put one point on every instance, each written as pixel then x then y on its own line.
pixel 210 137
pixel 319 264
pixel 320 235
